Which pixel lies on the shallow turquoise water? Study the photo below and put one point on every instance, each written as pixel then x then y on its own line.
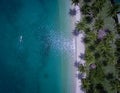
pixel 32 65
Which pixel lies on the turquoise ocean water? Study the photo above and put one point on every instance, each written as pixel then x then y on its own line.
pixel 38 63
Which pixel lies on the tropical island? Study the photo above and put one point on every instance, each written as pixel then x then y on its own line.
pixel 101 27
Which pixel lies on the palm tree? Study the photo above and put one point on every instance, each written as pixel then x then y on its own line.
pixel 88 19
pixel 99 23
pixel 86 84
pixel 95 11
pixel 112 59
pixel 97 6
pixel 87 1
pixel 117 43
pixel 109 37
pixel 75 2
pixel 89 57
pixel 112 12
pixel 97 55
pixel 81 26
pixel 86 41
pixel 100 88
pixel 82 68
pixel 106 53
pixel 118 48
pixel 87 30
pixel 118 28
pixel 109 76
pixel 115 85
pixel 102 48
pixel 86 9
pixel 98 73
pixel 91 36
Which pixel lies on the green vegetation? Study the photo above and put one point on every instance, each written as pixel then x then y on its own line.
pixel 75 2
pixel 81 25
pixel 112 11
pixel 86 9
pixel 99 23
pixel 102 42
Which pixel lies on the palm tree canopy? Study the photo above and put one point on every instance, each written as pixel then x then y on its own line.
pixel 89 57
pixel 86 9
pixel 75 2
pixel 82 68
pixel 112 11
pixel 99 23
pixel 97 7
pixel 88 19
pixel 85 84
pixel 117 27
pixel 81 26
pixel 115 84
pixel 86 1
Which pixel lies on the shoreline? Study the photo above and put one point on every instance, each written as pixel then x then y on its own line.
pixel 67 68
pixel 78 49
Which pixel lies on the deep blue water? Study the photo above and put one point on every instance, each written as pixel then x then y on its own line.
pixel 32 65
pixel 117 1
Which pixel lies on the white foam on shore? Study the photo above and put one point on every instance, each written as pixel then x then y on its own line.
pixel 79 49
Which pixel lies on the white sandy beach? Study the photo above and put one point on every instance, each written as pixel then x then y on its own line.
pixel 79 48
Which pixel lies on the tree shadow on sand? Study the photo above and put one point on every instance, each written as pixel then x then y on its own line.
pixel 83 40
pixel 72 12
pixel 76 64
pixel 75 32
pixel 82 56
pixel 80 75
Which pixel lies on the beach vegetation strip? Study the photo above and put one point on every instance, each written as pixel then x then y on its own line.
pixel 102 46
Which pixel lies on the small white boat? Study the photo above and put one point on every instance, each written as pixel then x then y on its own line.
pixel 21 38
